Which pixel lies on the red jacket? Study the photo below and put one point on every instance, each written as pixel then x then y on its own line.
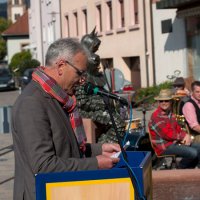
pixel 164 130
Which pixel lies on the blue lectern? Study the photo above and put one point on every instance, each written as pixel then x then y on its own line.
pixel 109 184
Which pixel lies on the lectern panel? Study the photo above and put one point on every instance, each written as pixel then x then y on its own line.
pixel 95 190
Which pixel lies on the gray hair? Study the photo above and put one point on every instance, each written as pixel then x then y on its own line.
pixel 65 48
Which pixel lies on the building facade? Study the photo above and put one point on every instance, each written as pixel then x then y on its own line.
pixel 17 36
pixel 169 41
pixel 189 12
pixel 124 28
pixel 15 9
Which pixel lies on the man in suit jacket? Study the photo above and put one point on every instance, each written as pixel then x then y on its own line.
pixel 48 134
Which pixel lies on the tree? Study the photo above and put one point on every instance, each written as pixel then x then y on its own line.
pixel 22 61
pixel 3 50
pixel 4 24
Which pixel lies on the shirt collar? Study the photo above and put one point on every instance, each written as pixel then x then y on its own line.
pixel 196 101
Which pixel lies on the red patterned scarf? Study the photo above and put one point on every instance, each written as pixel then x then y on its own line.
pixel 50 86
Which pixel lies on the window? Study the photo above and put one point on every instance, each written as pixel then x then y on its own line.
pixel 17 16
pixel 50 33
pixel 44 34
pixel 134 12
pixel 67 30
pixel 85 25
pixel 22 45
pixel 76 23
pixel 121 13
pixel 99 18
pixel 109 16
pixel 16 2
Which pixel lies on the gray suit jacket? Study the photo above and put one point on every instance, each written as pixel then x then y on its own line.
pixel 43 141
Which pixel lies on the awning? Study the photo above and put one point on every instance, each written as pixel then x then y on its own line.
pixel 165 4
pixel 190 12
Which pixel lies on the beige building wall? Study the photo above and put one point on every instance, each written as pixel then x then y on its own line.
pixel 121 43
pixel 15 9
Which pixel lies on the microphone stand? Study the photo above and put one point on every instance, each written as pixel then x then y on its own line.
pixel 124 155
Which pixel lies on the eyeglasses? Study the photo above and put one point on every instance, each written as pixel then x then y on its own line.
pixel 81 73
pixel 161 101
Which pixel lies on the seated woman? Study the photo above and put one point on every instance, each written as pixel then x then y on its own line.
pixel 167 137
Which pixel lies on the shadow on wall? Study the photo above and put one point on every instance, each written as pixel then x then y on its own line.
pixel 177 38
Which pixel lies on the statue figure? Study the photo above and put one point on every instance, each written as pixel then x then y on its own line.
pixel 93 106
pixel 92 43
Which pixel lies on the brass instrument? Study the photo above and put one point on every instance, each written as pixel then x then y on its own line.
pixel 176 106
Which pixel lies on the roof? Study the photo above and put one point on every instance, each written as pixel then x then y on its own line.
pixel 19 28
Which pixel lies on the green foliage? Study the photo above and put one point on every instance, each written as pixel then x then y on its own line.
pixel 3 49
pixel 152 91
pixel 4 24
pixel 28 63
pixel 22 61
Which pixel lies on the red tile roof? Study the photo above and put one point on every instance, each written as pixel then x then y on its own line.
pixel 19 28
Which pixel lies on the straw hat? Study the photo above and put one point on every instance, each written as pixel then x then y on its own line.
pixel 165 94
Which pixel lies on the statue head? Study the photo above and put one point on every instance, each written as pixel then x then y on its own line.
pixel 91 41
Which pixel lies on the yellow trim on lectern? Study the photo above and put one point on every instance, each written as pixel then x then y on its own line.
pixel 50 186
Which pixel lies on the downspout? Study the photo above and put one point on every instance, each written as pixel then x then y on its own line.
pixel 152 40
pixel 60 19
pixel 145 44
pixel 41 36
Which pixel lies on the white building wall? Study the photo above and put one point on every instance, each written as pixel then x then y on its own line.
pixel 169 48
pixel 44 26
pixel 115 44
pixel 50 11
pixel 15 46
pixel 35 31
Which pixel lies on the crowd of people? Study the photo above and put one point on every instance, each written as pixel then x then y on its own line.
pixel 168 137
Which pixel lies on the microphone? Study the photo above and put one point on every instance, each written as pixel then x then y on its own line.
pixel 89 88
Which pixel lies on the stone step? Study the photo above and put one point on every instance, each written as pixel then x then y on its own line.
pixel 177 184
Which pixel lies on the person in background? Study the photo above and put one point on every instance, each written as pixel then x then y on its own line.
pixel 166 135
pixel 179 87
pixel 48 134
pixel 191 111
pixel 180 95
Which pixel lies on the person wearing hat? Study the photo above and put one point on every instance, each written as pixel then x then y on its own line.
pixel 179 87
pixel 167 137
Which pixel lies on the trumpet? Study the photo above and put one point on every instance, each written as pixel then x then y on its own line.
pixel 176 109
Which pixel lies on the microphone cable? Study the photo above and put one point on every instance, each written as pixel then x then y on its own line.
pixel 141 197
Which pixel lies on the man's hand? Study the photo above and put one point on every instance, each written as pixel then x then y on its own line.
pixel 105 162
pixel 110 149
pixel 186 140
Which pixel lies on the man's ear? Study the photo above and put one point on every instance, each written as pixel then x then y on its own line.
pixel 60 66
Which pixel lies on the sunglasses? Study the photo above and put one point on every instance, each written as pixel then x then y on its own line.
pixel 81 73
pixel 160 101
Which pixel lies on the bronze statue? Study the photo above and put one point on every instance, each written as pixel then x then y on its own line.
pixel 93 106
